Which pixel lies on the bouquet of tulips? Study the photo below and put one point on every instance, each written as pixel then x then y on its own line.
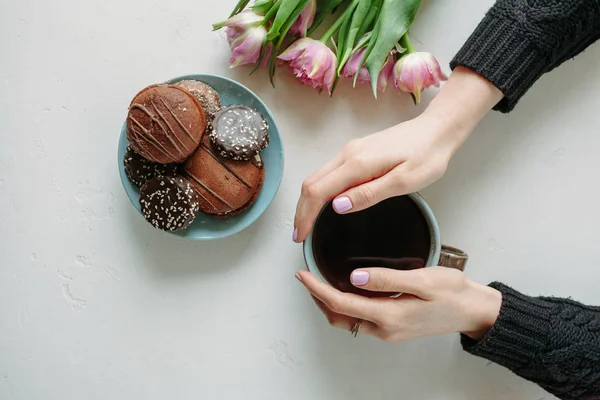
pixel 367 41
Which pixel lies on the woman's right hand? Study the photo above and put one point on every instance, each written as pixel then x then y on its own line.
pixel 435 301
pixel 399 160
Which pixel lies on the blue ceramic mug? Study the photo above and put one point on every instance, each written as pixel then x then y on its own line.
pixel 439 254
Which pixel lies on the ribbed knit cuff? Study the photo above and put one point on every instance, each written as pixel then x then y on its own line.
pixel 499 51
pixel 520 333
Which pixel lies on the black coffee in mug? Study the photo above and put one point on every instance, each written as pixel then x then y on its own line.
pixel 392 234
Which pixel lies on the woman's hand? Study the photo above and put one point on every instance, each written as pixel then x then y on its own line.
pixel 399 160
pixel 435 301
pixel 393 162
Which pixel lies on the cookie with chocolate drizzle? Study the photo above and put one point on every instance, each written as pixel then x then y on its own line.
pixel 165 124
pixel 225 187
pixel 239 132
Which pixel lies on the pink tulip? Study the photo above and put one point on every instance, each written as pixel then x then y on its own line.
pixel 245 19
pixel 246 35
pixel 386 72
pixel 312 62
pixel 354 61
pixel 415 72
pixel 351 67
pixel 305 20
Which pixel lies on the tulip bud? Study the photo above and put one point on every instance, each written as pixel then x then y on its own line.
pixel 305 20
pixel 415 72
pixel 246 35
pixel 351 67
pixel 312 62
pixel 386 72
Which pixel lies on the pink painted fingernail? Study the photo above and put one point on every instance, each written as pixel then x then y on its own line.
pixel 299 277
pixel 342 204
pixel 295 235
pixel 359 278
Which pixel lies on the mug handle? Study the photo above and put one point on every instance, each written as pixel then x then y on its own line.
pixel 451 257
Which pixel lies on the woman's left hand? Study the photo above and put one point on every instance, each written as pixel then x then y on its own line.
pixel 435 301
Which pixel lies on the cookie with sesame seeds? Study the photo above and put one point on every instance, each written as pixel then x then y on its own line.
pixel 239 132
pixel 207 96
pixel 139 170
pixel 169 202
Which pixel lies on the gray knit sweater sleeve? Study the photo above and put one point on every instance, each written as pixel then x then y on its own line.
pixel 552 342
pixel 520 40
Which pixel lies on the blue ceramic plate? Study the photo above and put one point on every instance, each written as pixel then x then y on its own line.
pixel 206 227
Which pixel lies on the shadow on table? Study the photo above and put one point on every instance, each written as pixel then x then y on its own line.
pixel 174 257
pixel 431 368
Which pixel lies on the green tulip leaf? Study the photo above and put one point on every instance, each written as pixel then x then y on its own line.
pixel 239 7
pixel 350 35
pixel 261 56
pixel 394 20
pixel 325 8
pixel 363 42
pixel 284 14
pixel 344 33
pixel 262 6
pixel 272 11
pixel 284 30
pixel 369 47
pixel 372 16
pixel 335 83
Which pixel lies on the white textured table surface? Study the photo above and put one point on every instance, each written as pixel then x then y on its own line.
pixel 95 304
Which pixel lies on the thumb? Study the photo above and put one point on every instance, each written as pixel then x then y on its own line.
pixel 368 194
pixel 413 282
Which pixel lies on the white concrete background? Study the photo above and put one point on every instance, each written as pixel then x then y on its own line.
pixel 95 304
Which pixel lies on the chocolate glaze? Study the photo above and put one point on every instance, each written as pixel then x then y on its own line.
pixel 139 170
pixel 165 124
pixel 239 132
pixel 225 187
pixel 169 202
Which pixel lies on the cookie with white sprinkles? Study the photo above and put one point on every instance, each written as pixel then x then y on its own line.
pixel 139 170
pixel 239 132
pixel 206 95
pixel 169 202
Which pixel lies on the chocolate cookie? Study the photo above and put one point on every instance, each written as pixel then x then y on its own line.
pixel 165 124
pixel 169 202
pixel 206 95
pixel 224 186
pixel 239 132
pixel 139 170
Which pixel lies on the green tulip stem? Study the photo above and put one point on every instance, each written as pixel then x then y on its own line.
pixel 336 25
pixel 405 42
